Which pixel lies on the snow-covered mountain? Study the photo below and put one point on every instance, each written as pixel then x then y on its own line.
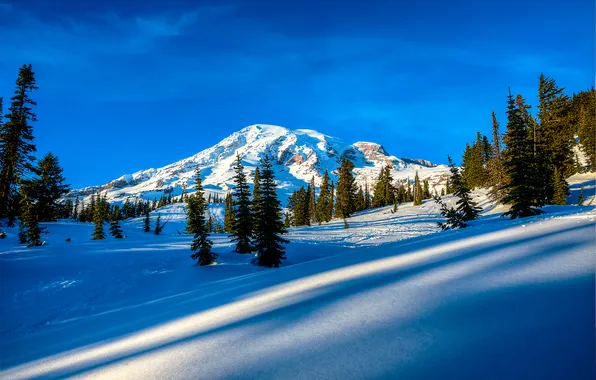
pixel 298 156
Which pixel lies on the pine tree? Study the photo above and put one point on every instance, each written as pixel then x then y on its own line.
pixel 159 226
pixel 517 158
pixel 243 218
pixel 360 202
pixel 298 205
pixel 312 201
pixel 98 218
pixel 556 134
pixel 256 195
pixel 584 119
pixel 561 190
pixel 75 213
pixel 384 193
pixel 417 191
pixel 425 189
pixel 346 190
pixel 146 222
pixel 115 229
pixel 268 240
pixel 229 214
pixel 324 207
pixel 201 245
pixel 16 143
pixel 496 172
pixel 29 229
pixel 367 200
pixel 49 187
pixel 580 199
pixel 466 208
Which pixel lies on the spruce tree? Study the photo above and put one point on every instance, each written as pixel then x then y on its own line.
pixel 346 189
pixel 312 201
pixel 16 143
pixel 496 172
pixel 98 218
pixel 360 201
pixel 147 222
pixel 229 214
pixel 49 186
pixel 417 190
pixel 159 226
pixel 298 205
pixel 324 207
pixel 201 245
pixel 580 199
pixel 268 240
pixel 29 229
pixel 466 208
pixel 243 218
pixel 521 190
pixel 584 118
pixel 256 196
pixel 367 200
pixel 561 190
pixel 115 229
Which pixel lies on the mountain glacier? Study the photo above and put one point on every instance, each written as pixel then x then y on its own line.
pixel 298 155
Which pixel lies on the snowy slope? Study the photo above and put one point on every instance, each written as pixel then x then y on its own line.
pixel 390 297
pixel 299 155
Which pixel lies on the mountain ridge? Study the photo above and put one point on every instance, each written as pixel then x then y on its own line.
pixel 298 155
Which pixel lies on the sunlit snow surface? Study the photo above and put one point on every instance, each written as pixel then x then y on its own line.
pixel 390 297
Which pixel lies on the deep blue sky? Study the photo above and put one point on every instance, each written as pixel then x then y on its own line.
pixel 131 84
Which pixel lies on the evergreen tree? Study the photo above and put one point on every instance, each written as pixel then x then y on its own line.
pixel 360 201
pixel 16 143
pixel 146 222
pixel 384 193
pixel 517 158
pixel 298 205
pixel 98 218
pixel 115 229
pixel 580 199
pixel 312 201
pixel 346 190
pixel 417 190
pixel 159 226
pixel 466 208
pixel 324 207
pixel 425 189
pixel 49 187
pixel 367 200
pixel 29 229
pixel 584 119
pixel 75 213
pixel 229 214
pixel 243 218
pixel 561 190
pixel 556 134
pixel 256 196
pixel 201 245
pixel 268 240
pixel 496 172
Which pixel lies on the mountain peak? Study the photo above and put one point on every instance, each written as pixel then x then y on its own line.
pixel 298 156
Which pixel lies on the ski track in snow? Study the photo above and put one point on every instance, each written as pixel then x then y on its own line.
pixel 382 299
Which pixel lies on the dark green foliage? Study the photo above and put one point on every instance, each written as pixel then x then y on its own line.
pixel 268 240
pixel 346 190
pixel 417 191
pixel 383 192
pixel 298 205
pixel 49 187
pixel 147 222
pixel 475 159
pixel 580 199
pixel 367 200
pixel 115 229
pixel 312 202
pixel 16 143
pixel 360 202
pixel 229 214
pixel 159 226
pixel 98 219
pixel 324 205
pixel 29 229
pixel 454 219
pixel 584 120
pixel 497 178
pixel 522 192
pixel 425 189
pixel 256 193
pixel 561 190
pixel 243 218
pixel 197 208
